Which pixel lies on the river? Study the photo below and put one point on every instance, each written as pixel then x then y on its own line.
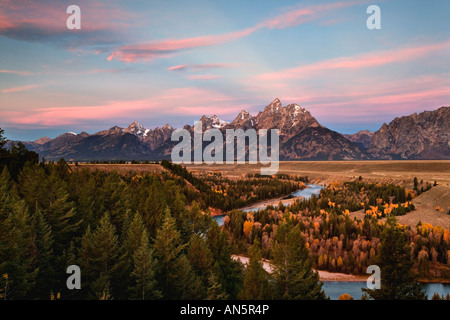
pixel 311 189
pixel 334 289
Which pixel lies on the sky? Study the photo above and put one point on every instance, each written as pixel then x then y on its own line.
pixel 159 62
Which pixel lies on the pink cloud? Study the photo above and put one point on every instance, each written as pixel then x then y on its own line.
pixel 186 101
pixel 22 88
pixel 366 60
pixel 367 101
pixel 299 16
pixel 168 47
pixel 176 68
pixel 200 67
pixel 203 77
pixel 18 72
pixel 46 21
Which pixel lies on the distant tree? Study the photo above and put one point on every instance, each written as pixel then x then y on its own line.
pixel 394 259
pixel 416 183
pixel 2 140
pixel 345 296
pixel 16 157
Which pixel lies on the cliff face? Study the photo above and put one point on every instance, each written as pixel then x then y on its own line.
pixel 418 136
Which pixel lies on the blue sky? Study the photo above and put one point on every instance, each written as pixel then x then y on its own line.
pixel 161 62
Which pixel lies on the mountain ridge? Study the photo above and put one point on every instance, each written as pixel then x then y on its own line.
pixel 302 137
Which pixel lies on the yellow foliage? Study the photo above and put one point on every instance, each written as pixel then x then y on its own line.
pixel 345 296
pixel 248 226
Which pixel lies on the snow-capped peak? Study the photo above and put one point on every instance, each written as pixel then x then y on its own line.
pixel 244 114
pixel 137 128
pixel 218 123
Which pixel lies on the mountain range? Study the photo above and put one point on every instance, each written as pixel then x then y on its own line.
pixel 302 137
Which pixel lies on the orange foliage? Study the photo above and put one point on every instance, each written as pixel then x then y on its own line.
pixel 248 226
pixel 345 296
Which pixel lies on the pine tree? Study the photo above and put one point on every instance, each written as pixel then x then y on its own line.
pixel 229 272
pixel 169 251
pixel 256 279
pixel 200 258
pixel 15 254
pixel 100 258
pixel 294 277
pixel 134 234
pixel 144 271
pixel 42 254
pixel 215 290
pixel 394 259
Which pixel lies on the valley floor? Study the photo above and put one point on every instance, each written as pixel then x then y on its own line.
pixel 397 172
pixel 400 172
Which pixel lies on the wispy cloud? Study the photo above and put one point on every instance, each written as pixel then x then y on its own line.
pixel 202 67
pixel 17 72
pixel 186 101
pixel 365 103
pixel 168 47
pixel 203 77
pixel 22 88
pixel 45 21
pixel 365 60
pixel 297 16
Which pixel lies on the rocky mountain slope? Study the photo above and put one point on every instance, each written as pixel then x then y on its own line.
pixel 362 138
pixel 302 137
pixel 418 136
